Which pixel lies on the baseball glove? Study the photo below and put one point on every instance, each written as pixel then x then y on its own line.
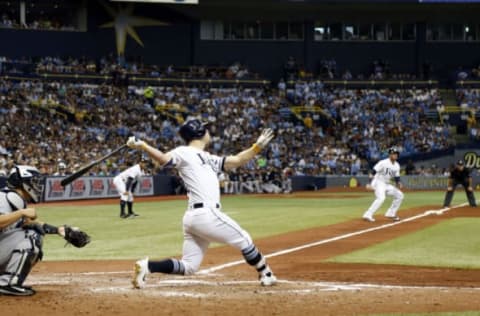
pixel 76 237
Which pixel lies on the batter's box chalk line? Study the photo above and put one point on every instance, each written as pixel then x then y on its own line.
pixel 211 288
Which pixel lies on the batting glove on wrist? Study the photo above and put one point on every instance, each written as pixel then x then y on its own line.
pixel 133 142
pixel 265 138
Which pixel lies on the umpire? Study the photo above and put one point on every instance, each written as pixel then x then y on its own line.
pixel 460 175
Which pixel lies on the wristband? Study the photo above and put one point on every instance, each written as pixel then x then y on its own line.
pixel 50 229
pixel 256 148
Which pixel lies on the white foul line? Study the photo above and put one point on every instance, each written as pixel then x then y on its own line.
pixel 325 241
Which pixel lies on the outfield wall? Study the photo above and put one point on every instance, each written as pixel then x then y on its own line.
pixel 102 187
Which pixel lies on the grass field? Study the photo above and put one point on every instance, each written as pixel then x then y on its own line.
pixel 158 231
pixel 453 243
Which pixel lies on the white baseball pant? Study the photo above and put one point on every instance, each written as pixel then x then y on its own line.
pixel 121 188
pixel 381 190
pixel 202 226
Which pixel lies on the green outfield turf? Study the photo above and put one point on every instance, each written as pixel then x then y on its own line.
pixel 158 231
pixel 452 243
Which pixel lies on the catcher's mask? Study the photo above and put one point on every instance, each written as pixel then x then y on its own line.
pixel 193 129
pixel 28 179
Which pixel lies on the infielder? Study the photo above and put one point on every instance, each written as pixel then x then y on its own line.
pixel 126 182
pixel 459 175
pixel 384 171
pixel 21 235
pixel 203 222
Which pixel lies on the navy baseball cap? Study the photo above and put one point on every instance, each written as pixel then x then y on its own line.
pixel 193 129
pixel 460 162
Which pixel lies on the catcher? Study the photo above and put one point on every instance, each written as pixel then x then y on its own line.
pixel 21 234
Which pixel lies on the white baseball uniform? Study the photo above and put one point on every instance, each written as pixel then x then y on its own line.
pixel 385 170
pixel 120 181
pixel 204 222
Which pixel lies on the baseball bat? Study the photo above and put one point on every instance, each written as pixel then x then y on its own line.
pixel 80 172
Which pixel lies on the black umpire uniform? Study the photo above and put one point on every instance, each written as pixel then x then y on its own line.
pixel 460 175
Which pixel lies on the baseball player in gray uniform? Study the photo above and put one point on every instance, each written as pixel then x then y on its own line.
pixel 203 222
pixel 384 171
pixel 21 235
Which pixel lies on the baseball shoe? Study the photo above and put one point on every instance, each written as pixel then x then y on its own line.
pixel 16 290
pixel 123 215
pixel 368 219
pixel 132 215
pixel 394 218
pixel 140 272
pixel 268 279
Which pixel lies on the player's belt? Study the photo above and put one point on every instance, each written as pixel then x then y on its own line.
pixel 201 205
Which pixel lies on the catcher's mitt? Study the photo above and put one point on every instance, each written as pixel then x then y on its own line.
pixel 76 237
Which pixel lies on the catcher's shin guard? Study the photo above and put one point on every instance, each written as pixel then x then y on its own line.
pixel 20 265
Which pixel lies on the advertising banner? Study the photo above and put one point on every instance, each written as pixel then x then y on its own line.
pixel 91 188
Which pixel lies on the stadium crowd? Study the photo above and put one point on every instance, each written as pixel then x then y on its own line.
pixel 468 100
pixel 110 64
pixel 47 23
pixel 44 123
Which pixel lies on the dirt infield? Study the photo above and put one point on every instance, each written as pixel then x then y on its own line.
pixel 308 286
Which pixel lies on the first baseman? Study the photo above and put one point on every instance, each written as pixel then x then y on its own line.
pixel 384 171
pixel 203 222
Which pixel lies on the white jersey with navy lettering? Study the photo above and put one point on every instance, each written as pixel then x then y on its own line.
pixel 386 170
pixel 199 171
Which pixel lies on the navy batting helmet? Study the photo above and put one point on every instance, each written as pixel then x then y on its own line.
pixel 193 129
pixel 393 150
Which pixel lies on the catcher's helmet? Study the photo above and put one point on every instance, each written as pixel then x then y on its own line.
pixel 393 150
pixel 28 179
pixel 193 129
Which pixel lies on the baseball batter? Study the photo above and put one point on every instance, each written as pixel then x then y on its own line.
pixel 384 171
pixel 203 222
pixel 21 235
pixel 126 182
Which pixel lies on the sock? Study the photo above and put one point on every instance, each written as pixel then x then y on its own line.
pixel 169 266
pixel 122 207
pixel 256 259
pixel 130 206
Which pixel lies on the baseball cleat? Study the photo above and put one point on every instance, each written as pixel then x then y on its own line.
pixel 268 279
pixel 368 219
pixel 140 272
pixel 394 218
pixel 16 290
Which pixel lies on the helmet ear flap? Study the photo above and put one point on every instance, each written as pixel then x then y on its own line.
pixel 15 180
